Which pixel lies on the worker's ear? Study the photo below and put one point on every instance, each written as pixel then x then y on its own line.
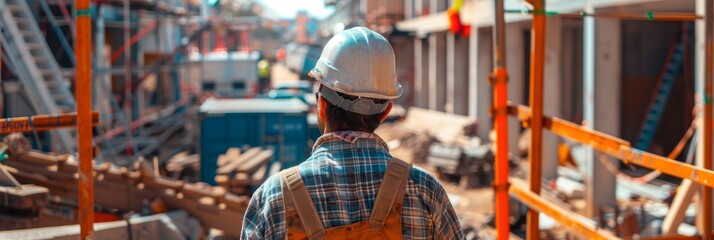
pixel 321 108
pixel 386 112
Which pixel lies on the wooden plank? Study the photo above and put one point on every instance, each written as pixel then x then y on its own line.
pixel 241 179
pixel 443 126
pixel 621 149
pixel 232 165
pixel 35 157
pixel 258 177
pixel 24 197
pixel 274 168
pixel 6 179
pixel 222 180
pixel 125 190
pixel 231 155
pixel 676 214
pixel 252 164
pixel 567 218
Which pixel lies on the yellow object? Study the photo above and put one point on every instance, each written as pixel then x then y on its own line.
pixel 263 68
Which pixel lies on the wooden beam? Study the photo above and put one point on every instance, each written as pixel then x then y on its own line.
pixel 620 149
pixel 568 219
pixel 675 215
pixel 125 190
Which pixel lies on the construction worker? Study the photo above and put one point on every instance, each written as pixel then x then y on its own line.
pixel 351 186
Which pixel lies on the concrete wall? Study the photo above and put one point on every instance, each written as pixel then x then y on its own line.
pixel 484 93
pixel 515 64
pixel 437 71
pixel 457 74
pixel 421 72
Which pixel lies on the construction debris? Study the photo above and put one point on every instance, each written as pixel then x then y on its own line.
pixel 411 137
pixel 443 141
pixel 176 225
pixel 121 190
pixel 183 166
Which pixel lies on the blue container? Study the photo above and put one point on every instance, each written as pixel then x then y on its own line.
pixel 279 124
pixel 313 129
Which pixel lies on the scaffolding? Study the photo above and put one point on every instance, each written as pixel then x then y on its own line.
pixel 533 118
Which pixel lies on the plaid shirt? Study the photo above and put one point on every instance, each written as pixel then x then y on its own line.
pixel 343 176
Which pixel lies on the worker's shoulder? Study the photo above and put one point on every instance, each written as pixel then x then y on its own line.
pixel 271 189
pixel 423 178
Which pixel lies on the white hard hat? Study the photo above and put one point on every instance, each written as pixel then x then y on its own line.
pixel 359 62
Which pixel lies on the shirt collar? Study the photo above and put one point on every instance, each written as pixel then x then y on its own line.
pixel 348 136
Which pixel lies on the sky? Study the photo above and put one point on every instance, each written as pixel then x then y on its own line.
pixel 288 8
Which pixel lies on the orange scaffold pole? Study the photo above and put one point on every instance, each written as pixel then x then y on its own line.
pixel 536 103
pixel 84 117
pixel 500 96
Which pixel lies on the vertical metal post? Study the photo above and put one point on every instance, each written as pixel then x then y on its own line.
pixel 536 106
pixel 589 93
pixel 705 219
pixel 84 117
pixel 127 104
pixel 473 71
pixel 1 73
pixel 500 97
pixel 450 72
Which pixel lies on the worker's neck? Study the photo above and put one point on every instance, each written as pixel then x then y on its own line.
pixel 327 130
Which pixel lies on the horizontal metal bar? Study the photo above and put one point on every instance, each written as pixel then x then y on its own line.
pixel 42 122
pixel 619 148
pixel 645 16
pixel 563 216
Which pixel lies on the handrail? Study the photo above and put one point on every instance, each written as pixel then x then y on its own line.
pixel 619 148
pixel 55 28
pixel 567 218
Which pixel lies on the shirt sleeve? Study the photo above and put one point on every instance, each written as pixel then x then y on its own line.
pixel 254 222
pixel 446 222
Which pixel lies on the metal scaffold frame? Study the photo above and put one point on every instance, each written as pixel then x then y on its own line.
pixel 533 117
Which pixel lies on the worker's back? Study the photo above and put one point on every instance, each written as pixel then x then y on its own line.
pixel 342 178
pixel 385 221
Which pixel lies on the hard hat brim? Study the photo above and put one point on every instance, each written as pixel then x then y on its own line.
pixel 335 85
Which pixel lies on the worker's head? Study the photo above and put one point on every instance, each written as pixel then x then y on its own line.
pixel 358 78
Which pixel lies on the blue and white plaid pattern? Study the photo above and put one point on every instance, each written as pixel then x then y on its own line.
pixel 343 176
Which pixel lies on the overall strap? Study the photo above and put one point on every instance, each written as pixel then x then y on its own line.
pixel 392 189
pixel 296 195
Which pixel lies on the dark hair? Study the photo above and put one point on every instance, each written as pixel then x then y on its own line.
pixel 343 120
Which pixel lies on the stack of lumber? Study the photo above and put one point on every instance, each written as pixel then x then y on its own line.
pixel 411 138
pixel 240 173
pixel 183 165
pixel 121 189
pixel 444 127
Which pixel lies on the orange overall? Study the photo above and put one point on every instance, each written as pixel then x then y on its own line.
pixel 385 222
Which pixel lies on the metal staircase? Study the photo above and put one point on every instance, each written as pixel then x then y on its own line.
pixel 659 100
pixel 35 66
